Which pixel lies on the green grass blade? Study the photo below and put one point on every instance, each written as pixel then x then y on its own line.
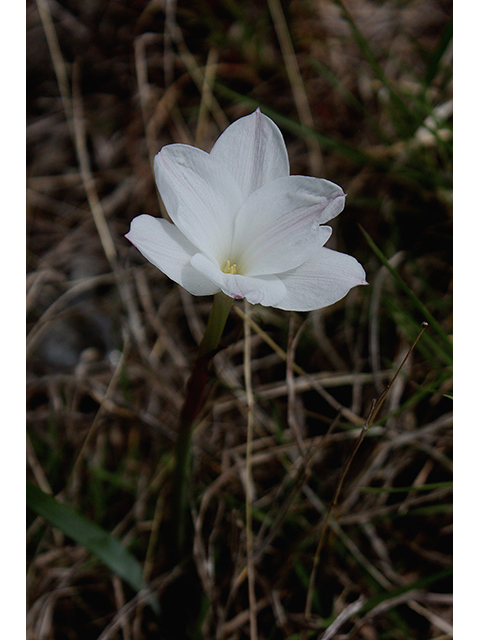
pixel 429 346
pixel 350 99
pixel 409 119
pixel 88 534
pixel 409 175
pixel 424 487
pixel 412 297
pixel 421 583
pixel 354 154
pixel 437 55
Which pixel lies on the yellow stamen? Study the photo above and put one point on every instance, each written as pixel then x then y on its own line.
pixel 230 268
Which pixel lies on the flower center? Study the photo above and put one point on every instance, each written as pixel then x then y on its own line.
pixel 230 268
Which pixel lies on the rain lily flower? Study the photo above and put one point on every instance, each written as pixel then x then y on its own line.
pixel 243 225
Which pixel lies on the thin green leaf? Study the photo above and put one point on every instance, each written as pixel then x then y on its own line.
pixel 298 129
pixel 431 510
pixel 88 534
pixel 409 118
pixel 413 586
pixel 408 175
pixel 437 55
pixel 431 346
pixel 412 297
pixel 423 487
pixel 371 122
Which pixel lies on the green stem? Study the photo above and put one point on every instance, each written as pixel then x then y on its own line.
pixel 194 397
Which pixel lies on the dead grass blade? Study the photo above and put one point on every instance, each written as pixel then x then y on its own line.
pixel 375 408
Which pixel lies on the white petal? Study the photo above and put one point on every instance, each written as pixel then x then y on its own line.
pixel 324 279
pixel 278 227
pixel 168 249
pixel 200 196
pixel 265 290
pixel 252 149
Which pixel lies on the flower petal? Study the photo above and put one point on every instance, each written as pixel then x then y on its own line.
pixel 265 290
pixel 322 280
pixel 252 149
pixel 168 249
pixel 278 227
pixel 200 196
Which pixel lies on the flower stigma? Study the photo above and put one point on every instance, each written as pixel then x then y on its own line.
pixel 230 268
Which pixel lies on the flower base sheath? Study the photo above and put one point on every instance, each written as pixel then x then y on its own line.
pixel 243 225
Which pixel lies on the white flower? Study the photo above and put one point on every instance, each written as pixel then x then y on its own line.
pixel 242 224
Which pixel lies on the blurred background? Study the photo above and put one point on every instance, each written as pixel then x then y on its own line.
pixel 362 91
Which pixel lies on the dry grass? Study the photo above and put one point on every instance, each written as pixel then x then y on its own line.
pixel 110 339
